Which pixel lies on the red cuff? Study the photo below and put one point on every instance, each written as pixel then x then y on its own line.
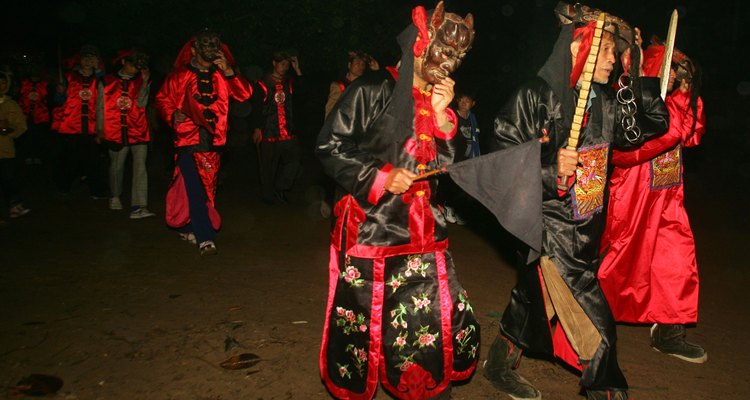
pixel 377 190
pixel 446 135
pixel 568 183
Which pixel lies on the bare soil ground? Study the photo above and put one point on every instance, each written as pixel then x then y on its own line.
pixel 123 309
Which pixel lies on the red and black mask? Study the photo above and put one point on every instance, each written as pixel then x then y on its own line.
pixel 208 45
pixel 450 38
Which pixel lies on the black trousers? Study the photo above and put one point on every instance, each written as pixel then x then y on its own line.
pixel 80 156
pixel 280 163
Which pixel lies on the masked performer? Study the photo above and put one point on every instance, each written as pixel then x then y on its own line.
pixel 75 121
pixel 122 117
pixel 557 306
pixel 396 312
pixel 648 244
pixel 194 100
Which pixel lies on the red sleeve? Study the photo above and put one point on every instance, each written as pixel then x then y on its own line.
pixel 446 135
pixel 681 116
pixel 239 88
pixel 377 190
pixel 169 97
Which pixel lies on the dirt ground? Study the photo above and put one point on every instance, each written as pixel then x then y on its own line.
pixel 123 309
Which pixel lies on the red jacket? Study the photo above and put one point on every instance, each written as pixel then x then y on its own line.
pixel 79 106
pixel 124 120
pixel 180 92
pixel 33 101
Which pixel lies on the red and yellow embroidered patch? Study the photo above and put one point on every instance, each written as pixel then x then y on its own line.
pixel 666 169
pixel 591 179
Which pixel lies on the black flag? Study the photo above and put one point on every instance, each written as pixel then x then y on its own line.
pixel 509 184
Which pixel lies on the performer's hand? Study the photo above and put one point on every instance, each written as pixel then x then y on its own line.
pixel 567 162
pixel 223 65
pixel 145 74
pixel 178 117
pixel 295 64
pixel 442 95
pixel 684 86
pixel 373 64
pixel 257 136
pixel 399 180
pixel 625 57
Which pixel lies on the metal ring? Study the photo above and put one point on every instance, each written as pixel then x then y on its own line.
pixel 628 123
pixel 629 109
pixel 625 95
pixel 636 132
pixel 625 77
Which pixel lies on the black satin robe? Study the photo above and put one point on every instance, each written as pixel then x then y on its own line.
pixel 396 313
pixel 572 226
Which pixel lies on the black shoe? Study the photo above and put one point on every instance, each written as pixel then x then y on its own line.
pixel 670 339
pixel 499 369
pixel 606 395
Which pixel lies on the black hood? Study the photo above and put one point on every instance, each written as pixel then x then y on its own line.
pixel 556 72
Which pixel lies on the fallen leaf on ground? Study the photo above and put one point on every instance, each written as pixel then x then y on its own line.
pixel 39 385
pixel 240 361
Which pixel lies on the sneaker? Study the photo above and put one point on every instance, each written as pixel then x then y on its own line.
pixel 115 204
pixel 670 339
pixel 208 248
pixel 141 212
pixel 606 395
pixel 18 211
pixel 188 237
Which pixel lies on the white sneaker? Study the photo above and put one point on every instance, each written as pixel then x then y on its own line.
pixel 141 212
pixel 18 211
pixel 115 204
pixel 208 248
pixel 189 237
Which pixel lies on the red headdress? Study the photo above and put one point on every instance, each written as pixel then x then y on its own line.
pixel 186 53
pixel 419 17
pixel 123 54
pixel 586 33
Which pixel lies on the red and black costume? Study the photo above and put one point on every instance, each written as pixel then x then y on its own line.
pixel 203 96
pixel 124 118
pixel 280 153
pixel 649 271
pixel 396 313
pixel 33 101
pixel 573 219
pixel 75 121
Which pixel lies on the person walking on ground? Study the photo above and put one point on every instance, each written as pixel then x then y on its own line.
pixel 396 312
pixel 194 101
pixel 648 246
pixel 557 307
pixel 121 118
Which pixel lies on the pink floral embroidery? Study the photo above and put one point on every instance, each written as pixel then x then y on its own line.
pixel 421 303
pixel 425 338
pixel 350 322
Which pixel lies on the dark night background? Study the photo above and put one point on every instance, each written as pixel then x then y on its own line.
pixel 513 39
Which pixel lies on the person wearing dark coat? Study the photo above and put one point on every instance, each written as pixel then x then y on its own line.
pixel 557 307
